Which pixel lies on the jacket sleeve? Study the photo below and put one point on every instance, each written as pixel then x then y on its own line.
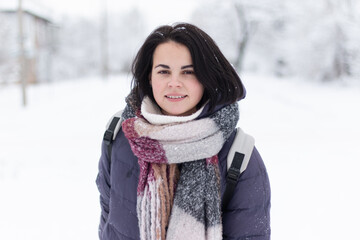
pixel 103 184
pixel 247 215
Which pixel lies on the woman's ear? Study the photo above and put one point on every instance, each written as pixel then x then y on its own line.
pixel 150 79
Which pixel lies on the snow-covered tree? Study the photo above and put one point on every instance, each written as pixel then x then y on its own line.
pixel 254 17
pixel 219 20
pixel 126 33
pixel 77 48
pixel 317 40
pixel 234 24
pixel 78 51
pixel 321 38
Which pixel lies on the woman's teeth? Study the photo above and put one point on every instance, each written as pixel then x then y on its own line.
pixel 175 97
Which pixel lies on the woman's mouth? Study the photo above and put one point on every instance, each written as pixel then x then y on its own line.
pixel 175 97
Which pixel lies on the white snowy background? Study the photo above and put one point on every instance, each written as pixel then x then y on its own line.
pixel 308 135
pixel 304 117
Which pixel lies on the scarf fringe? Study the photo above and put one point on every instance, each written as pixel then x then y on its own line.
pixel 155 205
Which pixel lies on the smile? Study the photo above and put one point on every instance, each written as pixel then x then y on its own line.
pixel 175 97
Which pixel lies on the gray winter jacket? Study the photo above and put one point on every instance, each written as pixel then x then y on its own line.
pixel 247 215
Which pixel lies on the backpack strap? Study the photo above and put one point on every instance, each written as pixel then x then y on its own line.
pixel 112 130
pixel 237 161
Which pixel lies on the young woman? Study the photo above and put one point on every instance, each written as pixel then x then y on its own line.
pixel 167 174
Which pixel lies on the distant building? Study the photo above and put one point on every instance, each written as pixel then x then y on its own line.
pixel 39 30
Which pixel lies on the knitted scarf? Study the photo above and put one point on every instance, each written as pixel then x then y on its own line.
pixel 178 195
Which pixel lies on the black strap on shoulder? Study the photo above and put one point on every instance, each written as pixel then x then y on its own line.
pixel 232 178
pixel 108 137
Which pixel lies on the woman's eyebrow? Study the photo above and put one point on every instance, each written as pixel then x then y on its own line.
pixel 187 66
pixel 167 67
pixel 162 65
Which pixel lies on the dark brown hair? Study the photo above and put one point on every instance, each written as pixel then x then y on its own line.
pixel 222 85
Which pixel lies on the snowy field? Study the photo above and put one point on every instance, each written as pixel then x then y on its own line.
pixel 308 135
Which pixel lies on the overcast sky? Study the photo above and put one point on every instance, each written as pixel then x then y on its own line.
pixel 157 12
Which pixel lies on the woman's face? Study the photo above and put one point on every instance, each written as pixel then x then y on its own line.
pixel 175 87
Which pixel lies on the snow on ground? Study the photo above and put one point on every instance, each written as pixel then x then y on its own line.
pixel 307 133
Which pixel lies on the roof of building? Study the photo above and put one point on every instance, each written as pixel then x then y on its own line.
pixel 35 9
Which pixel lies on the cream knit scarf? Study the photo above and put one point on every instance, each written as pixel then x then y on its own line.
pixel 179 182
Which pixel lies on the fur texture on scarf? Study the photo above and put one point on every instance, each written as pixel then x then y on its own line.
pixel 179 183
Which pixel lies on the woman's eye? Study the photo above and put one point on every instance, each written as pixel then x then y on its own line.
pixel 189 72
pixel 163 72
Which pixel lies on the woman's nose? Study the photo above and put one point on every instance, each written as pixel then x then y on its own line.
pixel 174 81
